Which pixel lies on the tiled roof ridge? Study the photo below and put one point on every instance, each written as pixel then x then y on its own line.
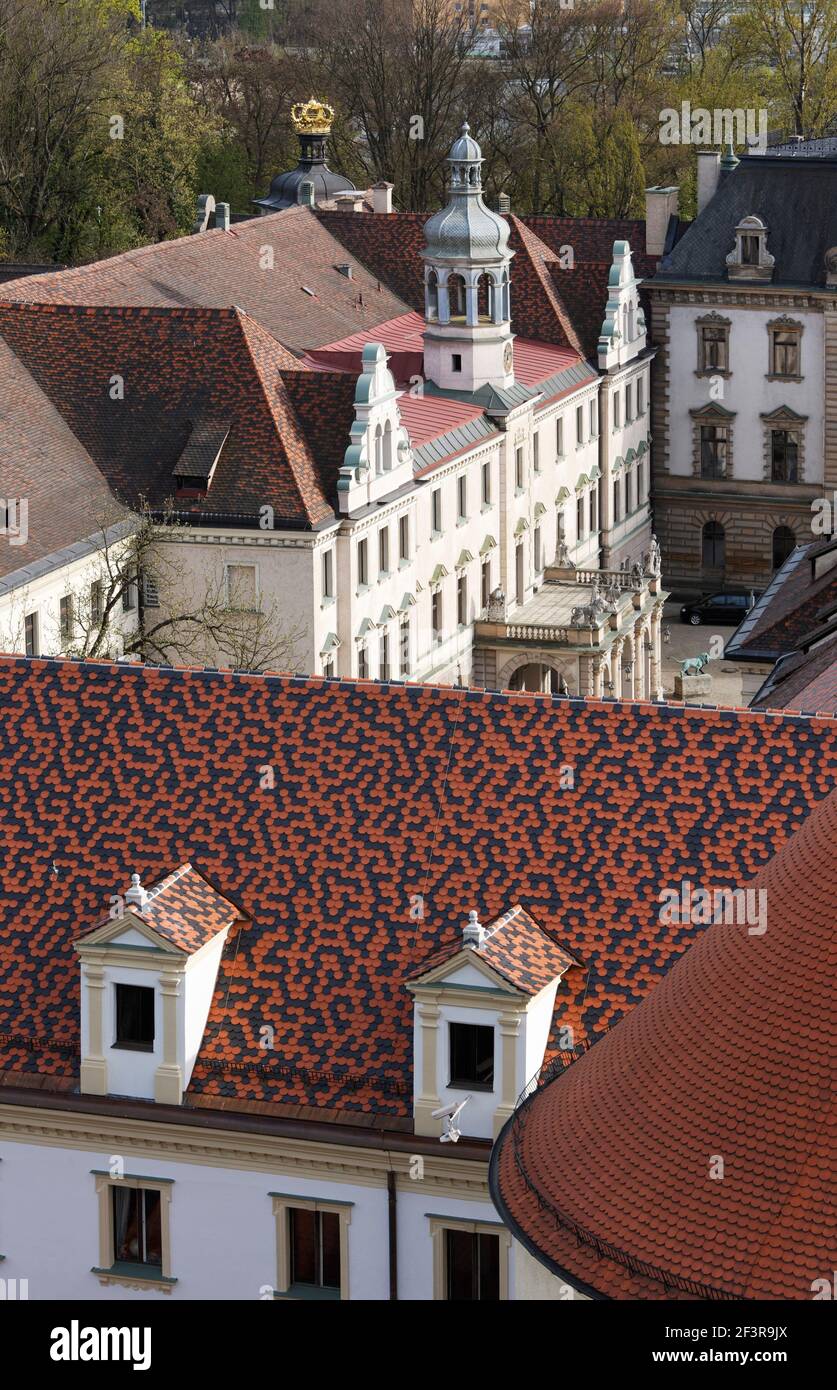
pixel 471 692
pixel 167 882
pixel 124 311
pixel 538 254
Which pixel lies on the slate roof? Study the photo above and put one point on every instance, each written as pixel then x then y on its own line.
pixel 786 193
pixel 620 1147
pixel 186 910
pixel 217 268
pixel 802 681
pixel 381 793
pixel 795 603
pixel 516 947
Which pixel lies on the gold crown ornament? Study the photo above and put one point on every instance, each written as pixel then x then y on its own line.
pixel 312 117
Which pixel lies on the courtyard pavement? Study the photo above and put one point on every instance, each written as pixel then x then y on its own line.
pixel 685 641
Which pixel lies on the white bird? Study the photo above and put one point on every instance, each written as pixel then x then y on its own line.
pixel 450 1114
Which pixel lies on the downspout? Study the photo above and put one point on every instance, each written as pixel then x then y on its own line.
pixel 392 1213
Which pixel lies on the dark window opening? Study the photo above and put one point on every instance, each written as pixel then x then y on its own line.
pixel 784 543
pixel 473 1267
pixel 137 1238
pixel 315 1248
pixel 135 1017
pixel 784 457
pixel 471 1055
pixel 713 451
pixel 714 546
pixel 456 361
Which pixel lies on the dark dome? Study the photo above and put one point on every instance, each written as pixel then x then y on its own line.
pixel 311 168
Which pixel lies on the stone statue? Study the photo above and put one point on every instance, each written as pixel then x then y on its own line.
pixel 563 688
pixel 636 576
pixel 694 665
pixel 497 606
pixel 652 560
pixel 562 556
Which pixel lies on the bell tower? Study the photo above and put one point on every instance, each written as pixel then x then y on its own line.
pixel 467 312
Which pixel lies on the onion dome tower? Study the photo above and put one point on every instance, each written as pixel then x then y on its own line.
pixel 468 337
pixel 312 121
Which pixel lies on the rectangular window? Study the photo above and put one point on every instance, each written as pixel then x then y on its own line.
pixel 383 551
pixel 436 614
pixel 579 424
pixel 713 344
pixel 629 492
pixel 30 634
pixel 486 485
pixel 617 501
pixel 594 509
pixel 518 469
pixel 472 1265
pixel 362 663
pixel 462 600
pixel 150 592
pixel 456 362
pixel 362 563
pixel 436 512
pixel 241 587
pixel 785 353
pixel 328 574
pixel 134 1017
pixel 629 403
pixel 67 617
pixel 328 667
pixel 129 596
pixel 519 574
pixel 559 436
pixel 594 418
pixel 750 250
pixel 537 543
pixel 471 1055
pixel 97 601
pixel 385 671
pixel 403 538
pixel 713 451
pixel 784 457
pixel 580 518
pixel 137 1228
pixel 485 583
pixel 462 497
pixel 640 395
pixel 617 411
pixel 640 483
pixel 404 646
pixel 314 1248
pixel 536 452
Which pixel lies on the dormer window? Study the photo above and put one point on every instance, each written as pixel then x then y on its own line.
pixel 134 1017
pixel 750 258
pixel 471 1056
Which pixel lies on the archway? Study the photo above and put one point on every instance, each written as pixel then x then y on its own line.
pixel 538 671
pixel 784 543
pixel 713 546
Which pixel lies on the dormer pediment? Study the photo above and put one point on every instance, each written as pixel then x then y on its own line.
pixel 126 930
pixel 466 970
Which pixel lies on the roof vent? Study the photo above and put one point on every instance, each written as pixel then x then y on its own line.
pixel 504 203
pixel 345 269
pixel 136 894
pixel 472 933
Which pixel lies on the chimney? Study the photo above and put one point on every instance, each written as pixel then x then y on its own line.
pixel 136 895
pixel 660 205
pixel 349 202
pixel 305 193
pixel 382 196
pixel 472 933
pixel 222 216
pixel 504 203
pixel 708 173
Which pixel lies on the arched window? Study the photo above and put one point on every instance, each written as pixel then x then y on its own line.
pixel 432 302
pixel 714 546
pixel 388 446
pixel 456 296
pixel 784 542
pixel 379 450
pixel 485 299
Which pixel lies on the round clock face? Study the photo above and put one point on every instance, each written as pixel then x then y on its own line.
pixel 508 357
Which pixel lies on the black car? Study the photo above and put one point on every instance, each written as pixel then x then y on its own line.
pixel 726 609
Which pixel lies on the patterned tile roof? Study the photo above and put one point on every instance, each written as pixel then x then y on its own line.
pixel 176 366
pixel 186 910
pixel 327 811
pixel 301 297
pixel 516 947
pixel 685 1155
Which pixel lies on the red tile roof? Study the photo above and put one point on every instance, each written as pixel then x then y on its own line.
pixel 217 269
pixel 186 910
pixel 380 794
pixel 516 947
pixel 804 681
pixel 179 366
pixel 612 1171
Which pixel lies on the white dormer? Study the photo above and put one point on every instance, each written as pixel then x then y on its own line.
pixel 148 975
pixel 379 459
pixel 484 1007
pixel 623 334
pixel 750 259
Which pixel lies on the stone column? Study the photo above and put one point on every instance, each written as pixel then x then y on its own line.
pixel 168 1078
pixel 93 1077
pixel 657 652
pixel 427 1099
pixel 616 666
pixel 598 676
pixel 639 662
pixel 509 1025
